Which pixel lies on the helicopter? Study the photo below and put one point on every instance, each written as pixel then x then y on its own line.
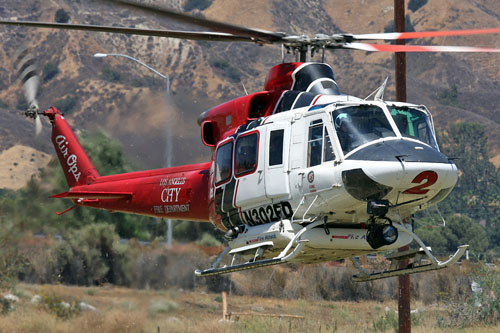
pixel 300 172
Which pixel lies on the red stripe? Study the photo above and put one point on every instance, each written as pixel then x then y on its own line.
pixel 430 48
pixel 341 237
pixel 316 99
pixel 408 35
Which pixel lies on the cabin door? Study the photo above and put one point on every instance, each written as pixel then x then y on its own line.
pixel 277 150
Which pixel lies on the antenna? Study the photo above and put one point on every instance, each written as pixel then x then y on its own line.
pixel 246 92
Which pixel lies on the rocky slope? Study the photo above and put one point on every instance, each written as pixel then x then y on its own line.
pixel 132 108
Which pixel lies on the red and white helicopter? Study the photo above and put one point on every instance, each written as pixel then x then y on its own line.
pixel 300 172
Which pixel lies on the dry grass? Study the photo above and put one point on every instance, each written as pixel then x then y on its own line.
pixel 129 310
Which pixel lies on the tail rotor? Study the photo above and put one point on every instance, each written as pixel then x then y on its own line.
pixel 28 75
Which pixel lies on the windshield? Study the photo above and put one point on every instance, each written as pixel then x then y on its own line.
pixel 413 123
pixel 357 125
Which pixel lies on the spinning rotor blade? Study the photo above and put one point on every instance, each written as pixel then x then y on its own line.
pixel 212 36
pixel 256 35
pixel 25 63
pixel 414 48
pixel 38 125
pixel 423 34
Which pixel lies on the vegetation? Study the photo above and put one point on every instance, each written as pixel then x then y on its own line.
pixel 408 25
pixel 415 5
pixel 110 75
pixel 231 72
pixel 50 70
pixel 190 5
pixel 480 308
pixel 66 104
pixel 472 210
pixel 3 104
pixel 61 16
pixel 449 96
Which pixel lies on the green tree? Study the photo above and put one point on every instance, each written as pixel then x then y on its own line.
pixel 459 230
pixel 477 193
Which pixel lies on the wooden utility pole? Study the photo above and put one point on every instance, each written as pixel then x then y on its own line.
pixel 400 73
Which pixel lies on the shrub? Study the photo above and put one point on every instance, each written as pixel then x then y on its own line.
pixel 482 307
pixel 233 73
pixel 189 5
pixel 110 75
pixel 161 306
pixel 49 71
pixel 60 307
pixel 67 104
pixel 91 256
pixel 415 5
pixel 449 96
pixel 11 260
pixel 61 16
pixel 408 25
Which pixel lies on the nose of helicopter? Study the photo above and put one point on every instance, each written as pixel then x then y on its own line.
pixel 403 166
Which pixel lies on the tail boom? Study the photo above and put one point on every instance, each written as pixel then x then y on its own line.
pixel 177 193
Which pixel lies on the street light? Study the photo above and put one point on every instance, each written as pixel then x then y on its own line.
pixel 168 153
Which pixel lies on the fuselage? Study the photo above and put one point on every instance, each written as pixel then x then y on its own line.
pixel 329 160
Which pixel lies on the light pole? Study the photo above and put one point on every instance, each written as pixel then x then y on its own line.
pixel 168 152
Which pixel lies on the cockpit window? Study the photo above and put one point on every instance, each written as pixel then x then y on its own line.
pixel 413 123
pixel 357 125
pixel 319 147
pixel 223 162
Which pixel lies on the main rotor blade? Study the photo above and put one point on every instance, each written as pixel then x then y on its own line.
pixel 257 35
pixel 414 48
pixel 423 34
pixel 212 36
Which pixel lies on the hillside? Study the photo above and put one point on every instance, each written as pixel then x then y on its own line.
pixel 122 98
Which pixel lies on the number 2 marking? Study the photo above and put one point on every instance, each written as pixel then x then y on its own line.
pixel 430 177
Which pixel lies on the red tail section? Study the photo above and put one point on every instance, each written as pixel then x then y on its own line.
pixel 177 193
pixel 75 163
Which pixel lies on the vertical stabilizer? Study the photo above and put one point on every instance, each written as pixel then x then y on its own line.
pixel 75 163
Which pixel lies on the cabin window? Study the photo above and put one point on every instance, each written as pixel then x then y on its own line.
pixel 276 147
pixel 223 162
pixel 245 159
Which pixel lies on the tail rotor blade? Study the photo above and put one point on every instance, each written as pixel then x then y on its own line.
pixel 31 82
pixel 27 70
pixel 38 125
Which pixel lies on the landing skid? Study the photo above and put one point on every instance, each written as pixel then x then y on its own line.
pixel 416 256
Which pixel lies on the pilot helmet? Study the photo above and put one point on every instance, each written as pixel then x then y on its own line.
pixel 341 119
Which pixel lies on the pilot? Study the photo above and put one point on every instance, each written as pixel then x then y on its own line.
pixel 246 158
pixel 342 123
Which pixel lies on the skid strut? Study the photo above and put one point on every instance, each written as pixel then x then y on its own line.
pixel 285 256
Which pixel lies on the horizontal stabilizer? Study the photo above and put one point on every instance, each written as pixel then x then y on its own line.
pixel 93 195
